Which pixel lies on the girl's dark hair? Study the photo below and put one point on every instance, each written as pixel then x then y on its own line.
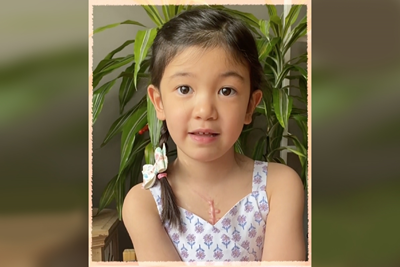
pixel 206 28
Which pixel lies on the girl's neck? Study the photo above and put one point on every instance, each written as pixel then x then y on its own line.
pixel 199 174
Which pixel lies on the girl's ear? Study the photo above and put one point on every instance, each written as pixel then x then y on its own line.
pixel 155 97
pixel 255 99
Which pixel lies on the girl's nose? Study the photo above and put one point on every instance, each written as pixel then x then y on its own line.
pixel 205 108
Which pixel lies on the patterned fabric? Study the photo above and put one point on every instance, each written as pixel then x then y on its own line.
pixel 237 236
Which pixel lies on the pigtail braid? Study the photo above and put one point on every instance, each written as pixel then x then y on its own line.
pixel 170 212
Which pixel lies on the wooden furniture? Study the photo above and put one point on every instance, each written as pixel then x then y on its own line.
pixel 129 255
pixel 105 235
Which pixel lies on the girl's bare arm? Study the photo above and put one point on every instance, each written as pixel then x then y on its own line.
pixel 141 219
pixel 284 237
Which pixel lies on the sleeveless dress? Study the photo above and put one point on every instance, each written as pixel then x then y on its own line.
pixel 237 236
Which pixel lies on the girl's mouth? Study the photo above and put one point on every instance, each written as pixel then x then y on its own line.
pixel 204 134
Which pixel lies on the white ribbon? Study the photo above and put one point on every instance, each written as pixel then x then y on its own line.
pixel 150 171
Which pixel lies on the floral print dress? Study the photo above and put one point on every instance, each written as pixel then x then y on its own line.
pixel 237 236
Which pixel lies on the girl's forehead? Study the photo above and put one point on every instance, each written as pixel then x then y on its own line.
pixel 192 55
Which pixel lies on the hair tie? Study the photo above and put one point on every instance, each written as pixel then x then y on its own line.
pixel 161 175
pixel 152 172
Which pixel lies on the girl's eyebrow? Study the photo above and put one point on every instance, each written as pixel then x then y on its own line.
pixel 181 74
pixel 225 74
pixel 232 74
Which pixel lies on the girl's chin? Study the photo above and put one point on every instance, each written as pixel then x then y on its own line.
pixel 204 154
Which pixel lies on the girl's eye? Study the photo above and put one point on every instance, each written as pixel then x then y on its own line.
pixel 184 90
pixel 226 91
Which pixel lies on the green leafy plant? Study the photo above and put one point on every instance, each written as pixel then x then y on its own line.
pixel 274 38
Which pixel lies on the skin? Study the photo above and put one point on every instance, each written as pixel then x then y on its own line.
pixel 205 88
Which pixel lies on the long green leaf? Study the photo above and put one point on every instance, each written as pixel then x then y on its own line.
pixel 301 121
pixel 298 144
pixel 133 165
pixel 238 147
pixel 248 18
pixel 181 8
pixel 300 59
pixel 260 108
pixel 267 100
pixel 165 10
pixel 120 194
pixel 293 77
pixel 154 123
pixel 143 72
pixel 276 25
pixel 136 122
pixel 300 150
pixel 261 48
pixel 144 40
pixel 291 18
pixel 108 194
pixel 154 14
pixel 100 29
pixel 264 27
pixel 292 15
pixel 117 126
pixel 97 77
pixel 272 153
pixel 264 47
pixel 259 148
pixel 139 146
pixel 271 10
pixel 275 135
pixel 105 63
pixel 118 49
pixel 278 159
pixel 298 111
pixel 298 153
pixel 98 98
pixel 127 89
pixel 135 172
pixel 303 88
pixel 119 63
pixel 299 98
pixel 301 70
pixel 108 65
pixel 172 11
pixel 149 154
pixel 282 106
pixel 282 75
pixel 169 11
pixel 99 72
pixel 299 31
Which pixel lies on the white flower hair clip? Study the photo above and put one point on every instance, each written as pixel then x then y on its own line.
pixel 151 172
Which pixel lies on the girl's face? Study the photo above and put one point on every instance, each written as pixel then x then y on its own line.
pixel 204 98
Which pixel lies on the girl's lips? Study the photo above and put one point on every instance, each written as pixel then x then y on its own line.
pixel 203 138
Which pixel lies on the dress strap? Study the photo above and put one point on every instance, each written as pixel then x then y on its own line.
pixel 156 192
pixel 260 175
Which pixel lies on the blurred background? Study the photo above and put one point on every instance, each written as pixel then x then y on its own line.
pixel 44 133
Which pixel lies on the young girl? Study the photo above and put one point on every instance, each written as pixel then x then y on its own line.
pixel 211 204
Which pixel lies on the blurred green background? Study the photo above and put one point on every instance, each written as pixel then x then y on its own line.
pixel 355 133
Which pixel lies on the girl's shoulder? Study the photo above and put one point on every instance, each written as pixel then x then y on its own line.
pixel 283 180
pixel 139 201
pixel 141 220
